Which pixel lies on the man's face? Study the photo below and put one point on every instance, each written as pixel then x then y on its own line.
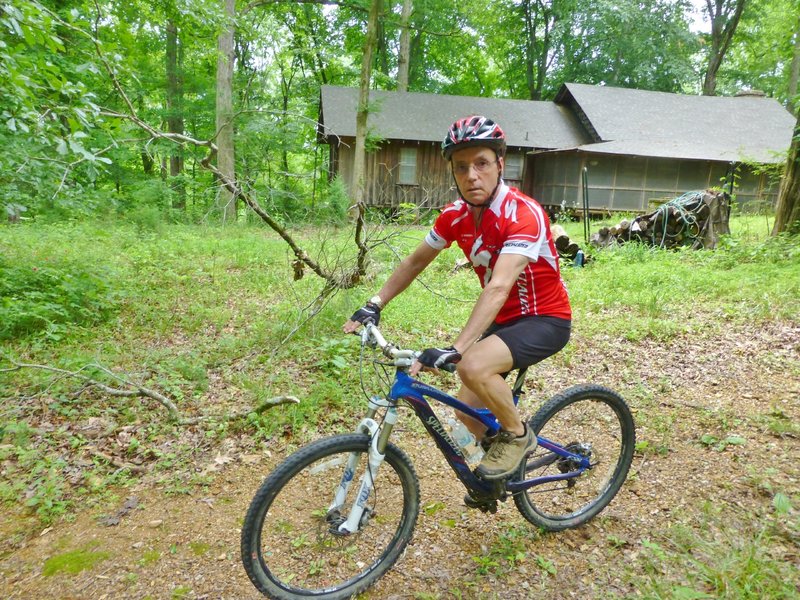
pixel 476 170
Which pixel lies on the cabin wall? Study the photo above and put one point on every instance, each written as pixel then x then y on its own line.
pixel 432 186
pixel 629 183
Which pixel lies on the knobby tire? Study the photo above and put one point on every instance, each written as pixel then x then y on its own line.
pixel 290 547
pixel 597 420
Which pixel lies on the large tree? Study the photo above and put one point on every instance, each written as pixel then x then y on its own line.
pixel 174 55
pixel 724 16
pixel 226 162
pixel 404 52
pixel 765 52
pixel 787 211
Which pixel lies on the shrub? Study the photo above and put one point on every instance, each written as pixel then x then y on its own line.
pixel 46 298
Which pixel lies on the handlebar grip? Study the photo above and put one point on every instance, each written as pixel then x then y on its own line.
pixel 449 367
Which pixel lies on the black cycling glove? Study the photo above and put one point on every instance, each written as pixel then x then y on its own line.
pixel 370 313
pixel 436 358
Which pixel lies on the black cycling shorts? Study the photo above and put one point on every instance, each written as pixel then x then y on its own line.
pixel 532 339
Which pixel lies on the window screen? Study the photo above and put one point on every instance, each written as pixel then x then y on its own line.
pixel 513 167
pixel 408 166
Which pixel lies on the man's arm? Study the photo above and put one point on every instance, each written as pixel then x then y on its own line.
pixel 401 277
pixel 407 271
pixel 504 275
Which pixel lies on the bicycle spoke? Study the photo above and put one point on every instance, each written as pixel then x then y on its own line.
pixel 296 545
pixel 588 421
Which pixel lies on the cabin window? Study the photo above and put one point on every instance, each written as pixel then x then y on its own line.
pixel 408 167
pixel 513 167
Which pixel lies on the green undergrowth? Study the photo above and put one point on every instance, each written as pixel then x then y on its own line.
pixel 74 561
pixel 636 292
pixel 727 556
pixel 213 319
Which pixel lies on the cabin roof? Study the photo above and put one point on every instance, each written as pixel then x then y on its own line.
pixel 412 116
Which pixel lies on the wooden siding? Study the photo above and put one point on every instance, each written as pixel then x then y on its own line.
pixel 434 188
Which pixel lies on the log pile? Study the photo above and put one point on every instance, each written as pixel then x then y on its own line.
pixel 695 219
pixel 566 248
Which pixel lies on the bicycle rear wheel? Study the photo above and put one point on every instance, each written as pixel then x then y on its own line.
pixel 591 420
pixel 291 544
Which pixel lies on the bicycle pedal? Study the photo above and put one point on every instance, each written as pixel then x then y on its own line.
pixel 482 505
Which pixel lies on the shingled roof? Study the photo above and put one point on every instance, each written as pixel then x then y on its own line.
pixel 426 117
pixel 659 124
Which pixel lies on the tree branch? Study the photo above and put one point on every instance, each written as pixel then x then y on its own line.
pixel 137 391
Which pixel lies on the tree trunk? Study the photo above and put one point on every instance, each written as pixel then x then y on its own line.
pixel 787 211
pixel 225 152
pixel 530 47
pixel 317 64
pixel 381 44
pixel 359 160
pixel 404 55
pixel 724 16
pixel 175 107
pixel 794 73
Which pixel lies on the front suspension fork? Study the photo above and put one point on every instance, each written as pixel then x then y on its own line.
pixel 379 436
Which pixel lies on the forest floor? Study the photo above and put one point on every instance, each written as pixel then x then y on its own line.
pixel 717 424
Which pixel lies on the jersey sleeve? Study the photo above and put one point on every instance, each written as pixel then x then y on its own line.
pixel 525 229
pixel 442 233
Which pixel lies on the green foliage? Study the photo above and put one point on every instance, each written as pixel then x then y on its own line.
pixel 214 306
pixel 74 561
pixel 737 561
pixel 48 113
pixel 65 157
pixel 719 445
pixel 46 297
pixel 651 286
pixel 761 52
pixel 32 472
pixel 333 206
pixel 510 549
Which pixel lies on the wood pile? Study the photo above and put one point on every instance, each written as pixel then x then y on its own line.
pixel 695 219
pixel 567 249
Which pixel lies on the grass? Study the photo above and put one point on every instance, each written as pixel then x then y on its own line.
pixel 203 314
pixel 730 558
pixel 74 561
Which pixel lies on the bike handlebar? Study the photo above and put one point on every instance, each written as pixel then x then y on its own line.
pixel 402 358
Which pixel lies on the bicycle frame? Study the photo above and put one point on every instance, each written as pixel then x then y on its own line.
pixel 415 392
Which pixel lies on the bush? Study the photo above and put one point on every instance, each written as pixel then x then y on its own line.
pixel 334 205
pixel 47 298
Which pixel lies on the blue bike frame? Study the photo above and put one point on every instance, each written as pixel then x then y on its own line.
pixel 415 392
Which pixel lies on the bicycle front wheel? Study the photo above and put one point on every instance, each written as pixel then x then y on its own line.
pixel 292 545
pixel 590 420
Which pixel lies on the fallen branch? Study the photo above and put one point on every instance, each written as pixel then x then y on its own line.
pixel 137 391
pixel 266 405
pixel 114 461
pixel 141 391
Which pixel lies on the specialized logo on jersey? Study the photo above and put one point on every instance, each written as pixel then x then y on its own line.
pixel 481 258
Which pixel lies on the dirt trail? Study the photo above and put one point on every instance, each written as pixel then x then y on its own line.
pixel 187 546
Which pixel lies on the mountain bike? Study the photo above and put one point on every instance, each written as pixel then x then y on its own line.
pixel 335 516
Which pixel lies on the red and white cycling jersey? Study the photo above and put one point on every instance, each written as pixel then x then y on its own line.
pixel 512 224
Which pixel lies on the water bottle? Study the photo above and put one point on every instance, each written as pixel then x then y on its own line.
pixel 580 259
pixel 473 453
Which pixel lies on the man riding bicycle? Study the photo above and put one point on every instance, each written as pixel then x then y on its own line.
pixel 523 314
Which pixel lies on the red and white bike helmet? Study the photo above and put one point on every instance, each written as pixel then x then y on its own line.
pixel 474 131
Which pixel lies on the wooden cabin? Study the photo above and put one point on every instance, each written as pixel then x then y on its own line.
pixel 636 146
